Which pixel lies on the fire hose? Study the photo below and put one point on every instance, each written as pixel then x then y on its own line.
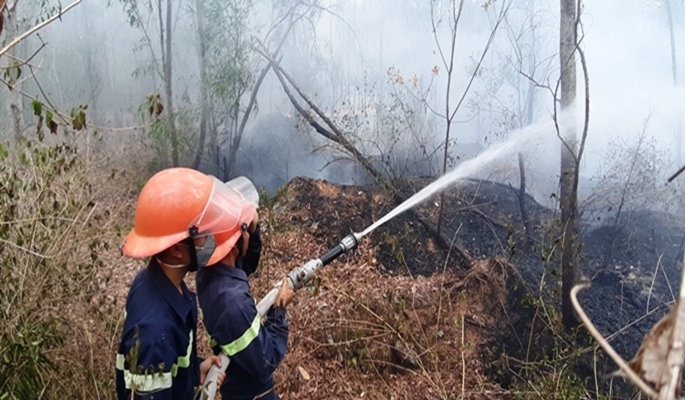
pixel 297 278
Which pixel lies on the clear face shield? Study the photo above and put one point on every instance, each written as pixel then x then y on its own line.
pixel 230 206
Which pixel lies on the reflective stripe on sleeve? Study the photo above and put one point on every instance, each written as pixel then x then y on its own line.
pixel 154 381
pixel 243 341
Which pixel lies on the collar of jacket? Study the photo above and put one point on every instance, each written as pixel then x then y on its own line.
pixel 180 303
pixel 227 270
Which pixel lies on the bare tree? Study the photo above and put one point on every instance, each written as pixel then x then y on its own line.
pixel 507 99
pixel 13 99
pixel 571 150
pixel 674 67
pixel 231 82
pixel 203 39
pixel 12 72
pixel 454 15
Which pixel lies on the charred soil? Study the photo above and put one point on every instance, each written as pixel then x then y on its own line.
pixel 405 317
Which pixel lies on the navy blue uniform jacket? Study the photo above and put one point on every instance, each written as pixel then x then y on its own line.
pixel 157 356
pixel 230 315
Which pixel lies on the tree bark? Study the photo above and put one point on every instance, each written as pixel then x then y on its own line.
pixel 674 68
pixel 522 200
pixel 204 87
pixel 239 134
pixel 13 100
pixel 166 42
pixel 530 106
pixel 568 181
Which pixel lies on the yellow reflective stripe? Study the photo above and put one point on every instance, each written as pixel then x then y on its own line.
pixel 121 361
pixel 148 382
pixel 242 342
pixel 157 380
pixel 184 361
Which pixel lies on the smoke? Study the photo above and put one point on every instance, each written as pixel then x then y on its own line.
pixel 341 56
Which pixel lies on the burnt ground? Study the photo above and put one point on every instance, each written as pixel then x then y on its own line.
pixel 627 294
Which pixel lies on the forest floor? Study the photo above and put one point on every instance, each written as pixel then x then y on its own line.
pixel 404 317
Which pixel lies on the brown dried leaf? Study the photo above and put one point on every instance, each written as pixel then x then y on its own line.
pixel 304 373
pixel 651 360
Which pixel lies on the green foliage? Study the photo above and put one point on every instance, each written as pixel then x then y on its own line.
pixel 12 74
pixel 225 38
pixel 46 115
pixel 78 117
pixel 160 135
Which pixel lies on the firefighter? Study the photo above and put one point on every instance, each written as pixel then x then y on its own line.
pixel 157 359
pixel 255 348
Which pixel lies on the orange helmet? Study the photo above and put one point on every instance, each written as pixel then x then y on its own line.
pixel 178 203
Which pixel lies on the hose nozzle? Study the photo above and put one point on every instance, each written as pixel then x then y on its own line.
pixel 347 244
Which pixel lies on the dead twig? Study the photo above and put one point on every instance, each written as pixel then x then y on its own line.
pixel 38 27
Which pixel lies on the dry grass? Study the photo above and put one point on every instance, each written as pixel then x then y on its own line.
pixel 358 331
pixel 58 252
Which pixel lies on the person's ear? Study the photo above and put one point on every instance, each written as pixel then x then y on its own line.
pixel 175 251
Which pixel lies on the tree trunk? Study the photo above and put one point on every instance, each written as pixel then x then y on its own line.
pixel 449 115
pixel 166 39
pixel 568 181
pixel 522 201
pixel 250 106
pixel 13 99
pixel 530 106
pixel 674 67
pixel 204 87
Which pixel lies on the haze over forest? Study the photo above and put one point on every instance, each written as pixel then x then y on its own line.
pixel 371 58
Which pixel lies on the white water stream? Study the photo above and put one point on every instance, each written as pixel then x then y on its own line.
pixel 521 140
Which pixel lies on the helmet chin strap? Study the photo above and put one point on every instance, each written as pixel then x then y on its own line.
pixel 193 266
pixel 170 265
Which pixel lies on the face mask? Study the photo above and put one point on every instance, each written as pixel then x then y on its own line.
pixel 199 256
pixel 204 253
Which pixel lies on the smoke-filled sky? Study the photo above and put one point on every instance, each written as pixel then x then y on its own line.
pixel 341 58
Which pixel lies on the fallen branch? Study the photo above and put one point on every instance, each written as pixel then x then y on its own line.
pixel 334 134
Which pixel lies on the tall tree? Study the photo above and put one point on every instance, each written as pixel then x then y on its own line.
pixel 232 78
pixel 13 100
pixel 226 74
pixel 674 68
pixel 447 55
pixel 568 181
pixel 203 39
pixel 140 13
